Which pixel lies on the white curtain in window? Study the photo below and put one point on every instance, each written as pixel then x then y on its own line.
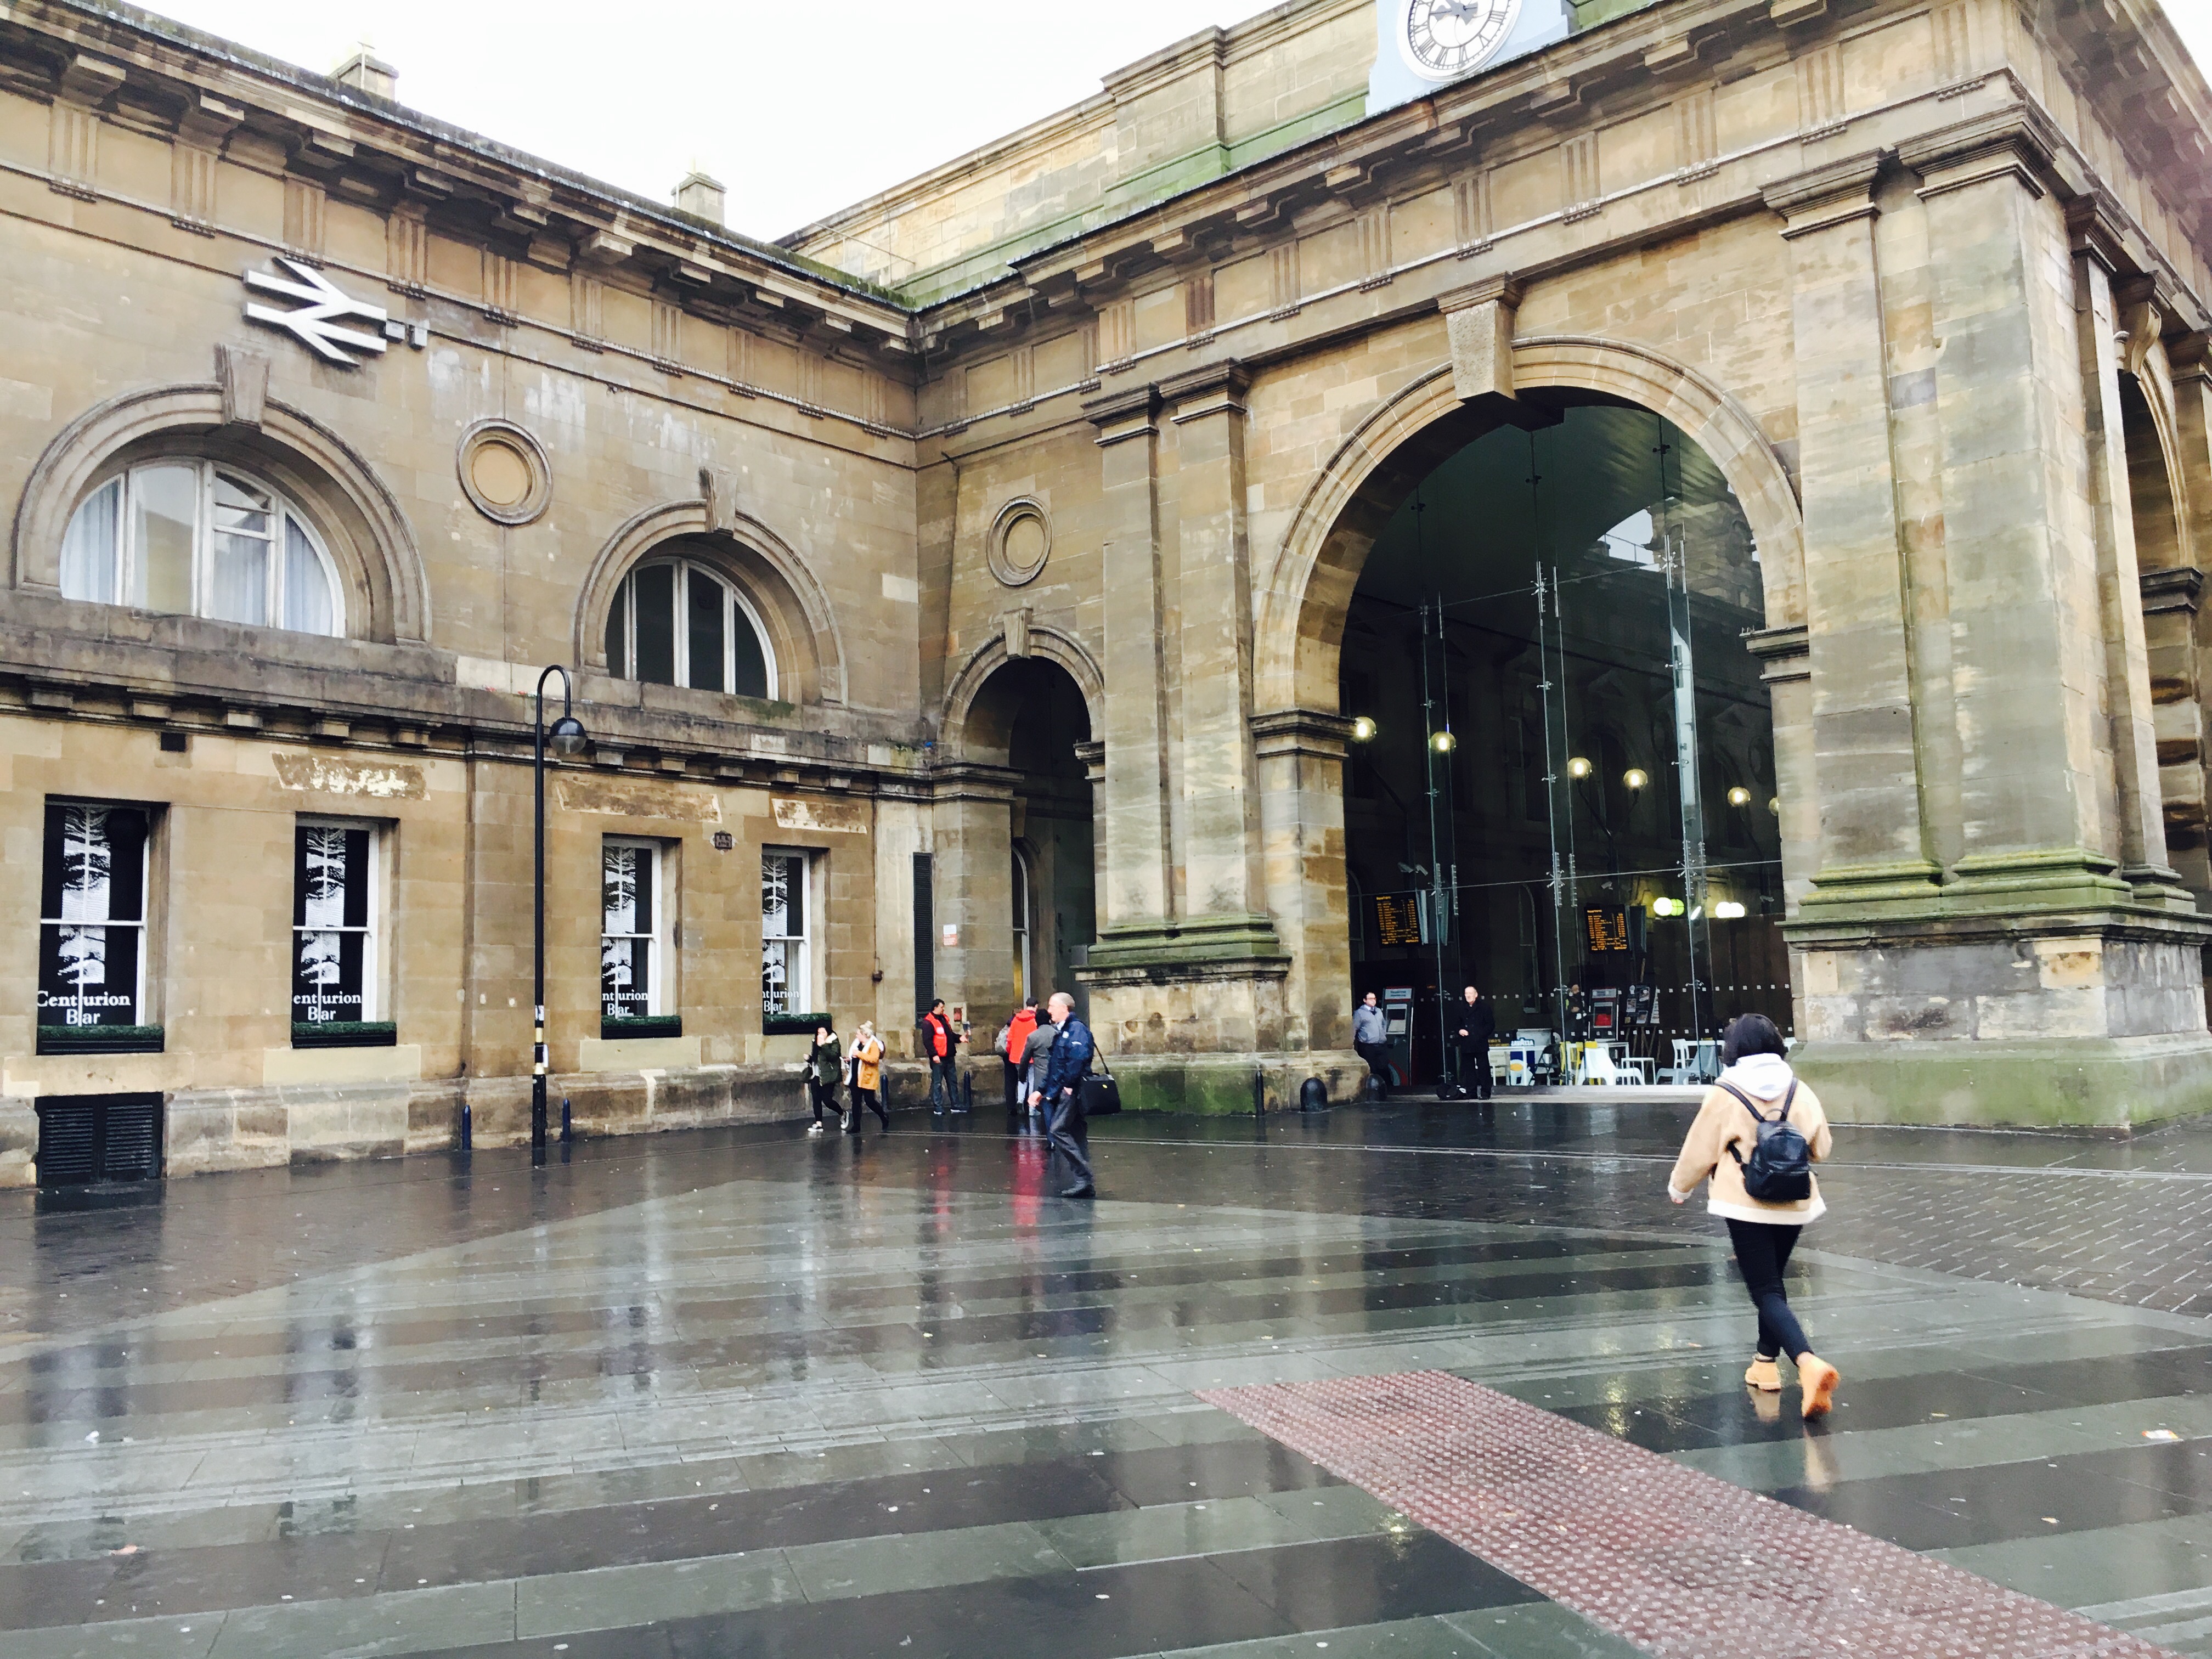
pixel 89 549
pixel 308 606
pixel 238 566
pixel 164 515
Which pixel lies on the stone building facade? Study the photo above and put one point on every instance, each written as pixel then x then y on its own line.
pixel 1053 471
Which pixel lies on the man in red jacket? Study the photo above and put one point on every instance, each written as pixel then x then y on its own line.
pixel 938 1040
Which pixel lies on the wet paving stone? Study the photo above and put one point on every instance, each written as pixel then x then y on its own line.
pixel 744 1392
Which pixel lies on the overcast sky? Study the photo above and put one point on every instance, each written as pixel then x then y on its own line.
pixel 799 107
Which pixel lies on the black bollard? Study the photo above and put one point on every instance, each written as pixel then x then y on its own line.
pixel 968 1090
pixel 1259 1092
pixel 468 1129
pixel 568 1131
pixel 1313 1095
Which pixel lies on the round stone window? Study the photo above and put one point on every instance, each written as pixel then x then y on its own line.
pixel 1021 541
pixel 504 472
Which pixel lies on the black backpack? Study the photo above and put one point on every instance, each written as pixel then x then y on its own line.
pixel 1780 1168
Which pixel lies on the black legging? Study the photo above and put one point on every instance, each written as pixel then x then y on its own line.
pixel 1762 1250
pixel 871 1100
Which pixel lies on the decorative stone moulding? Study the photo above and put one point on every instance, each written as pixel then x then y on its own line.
pixel 504 472
pixel 1021 541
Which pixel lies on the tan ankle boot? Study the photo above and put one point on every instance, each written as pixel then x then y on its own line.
pixel 1817 1378
pixel 1765 1376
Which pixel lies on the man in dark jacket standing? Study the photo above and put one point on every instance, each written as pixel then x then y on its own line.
pixel 1062 1094
pixel 939 1042
pixel 1471 1037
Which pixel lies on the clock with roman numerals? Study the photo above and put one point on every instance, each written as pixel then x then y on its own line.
pixel 1444 39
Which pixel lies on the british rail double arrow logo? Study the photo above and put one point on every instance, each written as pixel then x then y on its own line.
pixel 322 305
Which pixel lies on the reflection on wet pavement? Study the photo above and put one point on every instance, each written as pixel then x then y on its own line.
pixel 742 1391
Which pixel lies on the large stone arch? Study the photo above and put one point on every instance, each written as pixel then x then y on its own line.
pixel 958 734
pixel 368 534
pixel 802 627
pixel 1302 608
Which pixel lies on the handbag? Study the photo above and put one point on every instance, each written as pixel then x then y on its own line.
pixel 1100 1095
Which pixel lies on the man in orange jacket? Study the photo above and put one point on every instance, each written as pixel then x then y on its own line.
pixel 939 1042
pixel 1014 1043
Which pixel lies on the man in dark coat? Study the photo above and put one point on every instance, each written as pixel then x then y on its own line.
pixel 1061 1094
pixel 1471 1034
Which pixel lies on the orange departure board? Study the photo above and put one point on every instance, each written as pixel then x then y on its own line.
pixel 1398 919
pixel 1606 926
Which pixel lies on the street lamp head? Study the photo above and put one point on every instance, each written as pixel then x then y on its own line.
pixel 1635 777
pixel 1363 729
pixel 567 736
pixel 1738 796
pixel 1578 767
pixel 1442 742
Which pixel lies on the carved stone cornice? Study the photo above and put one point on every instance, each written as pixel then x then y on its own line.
pixel 1828 196
pixel 1312 732
pixel 2018 142
pixel 1120 415
pixel 1215 389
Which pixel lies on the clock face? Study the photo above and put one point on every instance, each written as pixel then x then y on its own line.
pixel 1444 39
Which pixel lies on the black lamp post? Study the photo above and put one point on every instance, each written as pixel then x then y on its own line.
pixel 567 737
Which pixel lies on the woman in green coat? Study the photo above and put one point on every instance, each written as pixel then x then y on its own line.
pixel 825 1064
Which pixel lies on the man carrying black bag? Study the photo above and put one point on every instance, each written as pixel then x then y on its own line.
pixel 1062 1094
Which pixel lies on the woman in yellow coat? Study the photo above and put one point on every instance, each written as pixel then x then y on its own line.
pixel 1756 1085
pixel 868 1062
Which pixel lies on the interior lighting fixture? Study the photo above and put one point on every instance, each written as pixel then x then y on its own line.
pixel 1578 767
pixel 1727 910
pixel 1442 742
pixel 1666 907
pixel 1738 796
pixel 1635 777
pixel 1363 729
pixel 1697 913
pixel 1774 806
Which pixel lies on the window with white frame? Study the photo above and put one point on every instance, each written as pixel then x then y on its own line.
pixel 675 623
pixel 787 933
pixel 1021 982
pixel 633 929
pixel 202 540
pixel 92 916
pixel 334 908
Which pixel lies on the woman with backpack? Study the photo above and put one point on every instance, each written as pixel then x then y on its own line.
pixel 824 1065
pixel 1756 1138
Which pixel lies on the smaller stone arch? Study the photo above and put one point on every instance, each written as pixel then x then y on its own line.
pixel 965 738
pixel 801 625
pixel 388 591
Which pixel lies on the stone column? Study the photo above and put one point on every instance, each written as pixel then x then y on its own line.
pixel 1873 855
pixel 2025 607
pixel 1301 755
pixel 1221 882
pixel 2139 826
pixel 1133 888
pixel 972 835
pixel 2175 629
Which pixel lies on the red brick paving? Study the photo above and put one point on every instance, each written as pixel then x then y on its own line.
pixel 1682 1565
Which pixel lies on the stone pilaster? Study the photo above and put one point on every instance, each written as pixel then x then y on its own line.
pixel 2139 827
pixel 971 830
pixel 1133 886
pixel 1221 882
pixel 1300 754
pixel 2025 607
pixel 1873 856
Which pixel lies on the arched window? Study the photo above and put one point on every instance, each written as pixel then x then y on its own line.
pixel 675 623
pixel 201 540
pixel 1021 928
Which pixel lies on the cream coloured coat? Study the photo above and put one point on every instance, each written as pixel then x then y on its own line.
pixel 1722 1124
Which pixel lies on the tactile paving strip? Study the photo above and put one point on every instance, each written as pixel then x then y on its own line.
pixel 1678 1563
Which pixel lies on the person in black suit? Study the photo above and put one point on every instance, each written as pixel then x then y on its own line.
pixel 1471 1037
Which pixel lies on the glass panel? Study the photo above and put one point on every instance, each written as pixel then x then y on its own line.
pixel 89 549
pixel 653 591
pixel 625 944
pixel 708 603
pixel 330 909
pixel 776 965
pixel 783 927
pixel 783 897
pixel 240 506
pixel 618 634
pixel 95 872
pixel 750 678
pixel 238 578
pixel 164 509
pixel 310 607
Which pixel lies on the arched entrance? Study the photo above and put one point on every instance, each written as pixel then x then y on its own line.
pixel 1538 806
pixel 1028 885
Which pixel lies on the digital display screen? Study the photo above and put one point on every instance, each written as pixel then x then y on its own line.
pixel 1398 919
pixel 1606 927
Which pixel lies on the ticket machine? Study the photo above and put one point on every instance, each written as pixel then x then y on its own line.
pixel 1398 1011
